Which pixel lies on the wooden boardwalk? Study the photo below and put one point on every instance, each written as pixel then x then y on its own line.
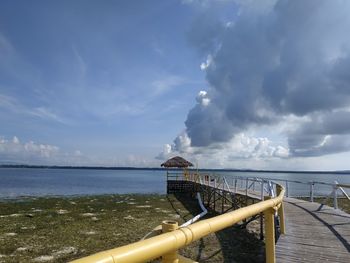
pixel 314 235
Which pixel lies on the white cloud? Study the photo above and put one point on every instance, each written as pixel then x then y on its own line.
pixel 203 98
pixel 207 63
pixel 34 153
pixel 40 150
pixel 9 103
pixel 15 151
pixel 167 150
pixel 15 140
pixel 13 105
pixel 182 143
pixel 241 149
pixel 45 113
pixel 281 152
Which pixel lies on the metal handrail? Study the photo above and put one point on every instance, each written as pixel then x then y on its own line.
pixel 267 179
pixel 311 184
pixel 169 243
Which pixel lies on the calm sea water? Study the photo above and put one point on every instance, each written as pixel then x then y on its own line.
pixel 15 182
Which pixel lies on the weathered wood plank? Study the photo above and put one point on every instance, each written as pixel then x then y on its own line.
pixel 312 235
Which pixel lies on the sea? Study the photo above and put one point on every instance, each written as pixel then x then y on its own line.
pixel 22 182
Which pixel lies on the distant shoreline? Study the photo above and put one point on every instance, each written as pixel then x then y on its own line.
pixel 164 169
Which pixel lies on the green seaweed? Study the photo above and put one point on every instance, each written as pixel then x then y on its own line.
pixel 60 229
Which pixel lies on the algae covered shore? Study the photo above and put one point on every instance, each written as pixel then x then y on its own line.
pixel 60 229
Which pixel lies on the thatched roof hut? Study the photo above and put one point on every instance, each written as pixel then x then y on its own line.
pixel 177 161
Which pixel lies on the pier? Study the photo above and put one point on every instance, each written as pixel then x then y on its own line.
pixel 293 230
pixel 313 231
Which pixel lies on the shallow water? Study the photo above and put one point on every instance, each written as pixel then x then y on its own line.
pixel 15 182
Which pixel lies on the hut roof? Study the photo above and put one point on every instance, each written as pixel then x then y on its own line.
pixel 177 162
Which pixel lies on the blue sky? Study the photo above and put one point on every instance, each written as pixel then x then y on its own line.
pixel 135 82
pixel 105 78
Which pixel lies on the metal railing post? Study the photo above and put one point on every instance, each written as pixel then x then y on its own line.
pixel 269 216
pixel 246 187
pixel 312 191
pixel 335 195
pixel 287 189
pixel 214 194
pixel 261 214
pixel 171 257
pixel 281 211
pixel 236 185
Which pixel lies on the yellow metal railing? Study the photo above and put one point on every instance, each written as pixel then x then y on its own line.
pixel 168 243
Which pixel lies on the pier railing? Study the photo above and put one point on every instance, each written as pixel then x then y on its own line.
pixel 254 186
pixel 294 188
pixel 166 245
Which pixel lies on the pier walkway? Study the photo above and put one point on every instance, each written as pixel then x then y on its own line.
pixel 313 235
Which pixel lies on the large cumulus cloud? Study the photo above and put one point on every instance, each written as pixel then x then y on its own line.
pixel 290 61
pixel 241 146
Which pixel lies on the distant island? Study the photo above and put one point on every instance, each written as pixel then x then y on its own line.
pixel 163 169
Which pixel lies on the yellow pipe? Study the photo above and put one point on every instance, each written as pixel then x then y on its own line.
pixel 282 219
pixel 281 212
pixel 270 235
pixel 170 257
pixel 186 260
pixel 155 232
pixel 145 250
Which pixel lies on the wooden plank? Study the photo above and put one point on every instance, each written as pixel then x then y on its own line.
pixel 312 235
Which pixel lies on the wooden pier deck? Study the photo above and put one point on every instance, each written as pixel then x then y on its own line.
pixel 314 235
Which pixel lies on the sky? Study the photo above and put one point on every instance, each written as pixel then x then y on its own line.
pixel 225 84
